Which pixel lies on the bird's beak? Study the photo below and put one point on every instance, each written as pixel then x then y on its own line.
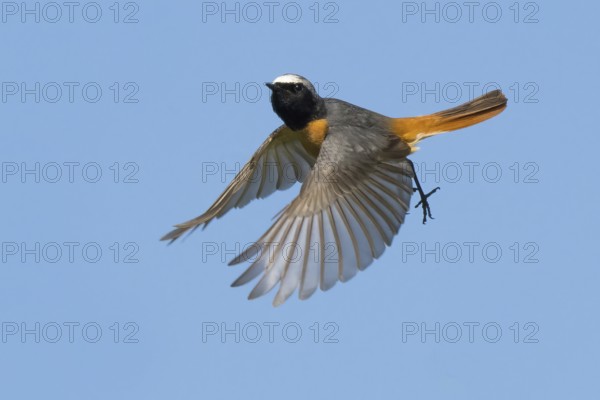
pixel 270 85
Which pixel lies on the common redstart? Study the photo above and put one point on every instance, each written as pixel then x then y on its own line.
pixel 356 186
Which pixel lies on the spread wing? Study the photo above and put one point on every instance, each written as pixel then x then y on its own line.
pixel 350 207
pixel 286 157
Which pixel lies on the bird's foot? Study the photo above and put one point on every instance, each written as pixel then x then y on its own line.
pixel 424 203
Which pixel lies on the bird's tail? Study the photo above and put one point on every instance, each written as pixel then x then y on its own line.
pixel 413 129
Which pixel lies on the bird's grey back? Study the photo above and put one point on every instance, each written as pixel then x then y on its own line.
pixel 340 112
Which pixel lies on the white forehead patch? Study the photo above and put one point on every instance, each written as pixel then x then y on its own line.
pixel 290 78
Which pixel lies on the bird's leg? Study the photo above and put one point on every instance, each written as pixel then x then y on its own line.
pixel 423 202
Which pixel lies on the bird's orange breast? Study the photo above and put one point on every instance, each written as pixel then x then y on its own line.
pixel 314 135
pixel 316 131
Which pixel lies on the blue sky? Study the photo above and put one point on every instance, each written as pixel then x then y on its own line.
pixel 120 119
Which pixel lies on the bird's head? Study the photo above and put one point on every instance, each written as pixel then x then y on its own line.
pixel 295 100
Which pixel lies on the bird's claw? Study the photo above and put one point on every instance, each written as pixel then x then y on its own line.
pixel 424 203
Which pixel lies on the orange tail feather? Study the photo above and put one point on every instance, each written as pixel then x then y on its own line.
pixel 413 129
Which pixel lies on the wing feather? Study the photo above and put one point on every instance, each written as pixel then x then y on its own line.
pixel 274 166
pixel 350 207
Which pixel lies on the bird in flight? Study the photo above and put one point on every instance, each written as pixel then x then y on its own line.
pixel 356 186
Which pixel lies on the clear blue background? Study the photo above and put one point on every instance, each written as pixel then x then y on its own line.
pixel 170 132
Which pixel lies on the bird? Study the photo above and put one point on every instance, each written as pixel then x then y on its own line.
pixel 355 193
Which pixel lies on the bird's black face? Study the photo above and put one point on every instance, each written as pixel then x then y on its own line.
pixel 296 102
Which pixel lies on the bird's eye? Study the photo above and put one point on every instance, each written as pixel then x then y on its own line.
pixel 296 88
